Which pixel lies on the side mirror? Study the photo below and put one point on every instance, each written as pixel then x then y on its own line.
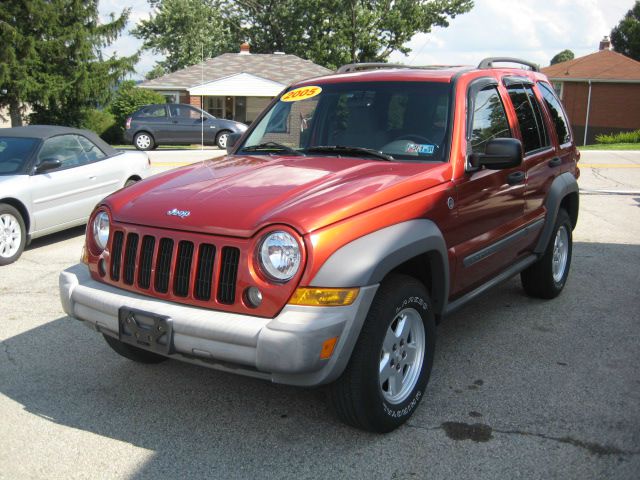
pixel 49 163
pixel 232 139
pixel 500 153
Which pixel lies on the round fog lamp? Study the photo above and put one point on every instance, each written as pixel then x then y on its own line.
pixel 253 296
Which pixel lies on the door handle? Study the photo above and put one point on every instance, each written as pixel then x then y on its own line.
pixel 92 178
pixel 556 162
pixel 515 178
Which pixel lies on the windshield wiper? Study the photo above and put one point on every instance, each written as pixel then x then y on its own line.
pixel 272 146
pixel 350 151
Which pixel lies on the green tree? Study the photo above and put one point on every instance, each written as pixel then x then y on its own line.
pixel 51 58
pixel 156 72
pixel 335 32
pixel 563 56
pixel 185 30
pixel 327 32
pixel 625 37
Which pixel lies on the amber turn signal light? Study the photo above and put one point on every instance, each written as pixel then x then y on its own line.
pixel 324 297
pixel 327 348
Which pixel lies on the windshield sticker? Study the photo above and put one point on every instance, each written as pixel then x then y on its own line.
pixel 301 93
pixel 425 149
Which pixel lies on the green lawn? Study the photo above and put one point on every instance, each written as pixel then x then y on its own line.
pixel 612 146
pixel 168 147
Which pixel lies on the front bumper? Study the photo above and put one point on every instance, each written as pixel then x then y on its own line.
pixel 285 349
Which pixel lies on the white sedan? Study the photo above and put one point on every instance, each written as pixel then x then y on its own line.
pixel 51 178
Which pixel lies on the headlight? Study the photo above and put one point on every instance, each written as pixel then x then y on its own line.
pixel 100 229
pixel 279 255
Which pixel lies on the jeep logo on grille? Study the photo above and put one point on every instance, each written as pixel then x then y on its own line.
pixel 178 213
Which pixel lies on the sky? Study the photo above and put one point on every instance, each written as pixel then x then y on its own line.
pixel 531 30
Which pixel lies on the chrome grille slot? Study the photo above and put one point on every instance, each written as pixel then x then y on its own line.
pixel 204 275
pixel 130 251
pixel 228 275
pixel 163 265
pixel 183 269
pixel 146 261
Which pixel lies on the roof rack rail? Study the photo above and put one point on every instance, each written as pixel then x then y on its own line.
pixel 358 67
pixel 489 61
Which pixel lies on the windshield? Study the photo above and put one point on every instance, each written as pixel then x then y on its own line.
pixel 14 153
pixel 403 120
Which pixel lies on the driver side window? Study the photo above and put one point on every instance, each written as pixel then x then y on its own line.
pixel 489 120
pixel 65 148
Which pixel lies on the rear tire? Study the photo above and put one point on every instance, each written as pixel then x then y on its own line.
pixel 13 234
pixel 546 278
pixel 144 141
pixel 221 139
pixel 133 353
pixel 390 365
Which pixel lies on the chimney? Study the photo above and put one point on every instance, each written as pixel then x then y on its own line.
pixel 605 43
pixel 244 49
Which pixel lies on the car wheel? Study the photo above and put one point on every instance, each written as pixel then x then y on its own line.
pixel 13 234
pixel 144 141
pixel 133 353
pixel 221 139
pixel 546 278
pixel 130 182
pixel 391 362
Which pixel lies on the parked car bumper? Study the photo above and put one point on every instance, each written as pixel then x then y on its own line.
pixel 285 349
pixel 128 136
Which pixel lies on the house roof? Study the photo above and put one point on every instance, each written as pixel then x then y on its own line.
pixel 604 65
pixel 281 68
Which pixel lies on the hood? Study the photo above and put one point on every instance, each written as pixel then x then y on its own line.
pixel 239 195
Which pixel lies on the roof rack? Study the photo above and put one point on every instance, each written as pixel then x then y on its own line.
pixel 489 61
pixel 358 67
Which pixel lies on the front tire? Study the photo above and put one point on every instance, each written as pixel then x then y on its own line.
pixel 144 141
pixel 133 353
pixel 390 366
pixel 221 139
pixel 546 278
pixel 13 234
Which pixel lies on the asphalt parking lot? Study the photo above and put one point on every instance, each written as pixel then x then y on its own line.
pixel 521 388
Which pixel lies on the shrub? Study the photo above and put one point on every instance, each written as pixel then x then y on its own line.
pixel 621 137
pixel 97 120
pixel 130 98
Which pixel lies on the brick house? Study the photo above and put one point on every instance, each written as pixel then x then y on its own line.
pixel 235 86
pixel 600 91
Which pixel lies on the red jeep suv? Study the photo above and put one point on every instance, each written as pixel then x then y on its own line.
pixel 359 210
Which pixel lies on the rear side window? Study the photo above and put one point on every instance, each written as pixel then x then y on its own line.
pixel 154 111
pixel 489 120
pixel 534 135
pixel 560 121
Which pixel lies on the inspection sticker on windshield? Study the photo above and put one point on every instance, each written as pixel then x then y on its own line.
pixel 301 93
pixel 421 148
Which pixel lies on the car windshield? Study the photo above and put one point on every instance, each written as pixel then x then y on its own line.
pixel 401 120
pixel 14 153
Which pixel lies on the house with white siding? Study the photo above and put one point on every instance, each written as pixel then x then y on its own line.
pixel 236 86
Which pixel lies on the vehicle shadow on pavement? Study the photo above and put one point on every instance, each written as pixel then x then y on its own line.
pixel 56 237
pixel 502 361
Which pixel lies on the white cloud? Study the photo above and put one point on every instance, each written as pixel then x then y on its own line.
pixel 535 31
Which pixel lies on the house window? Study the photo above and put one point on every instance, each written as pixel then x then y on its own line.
pixel 215 106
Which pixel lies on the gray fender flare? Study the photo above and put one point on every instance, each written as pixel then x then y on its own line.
pixel 563 185
pixel 368 259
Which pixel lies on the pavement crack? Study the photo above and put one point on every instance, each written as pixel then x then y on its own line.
pixel 5 347
pixel 479 432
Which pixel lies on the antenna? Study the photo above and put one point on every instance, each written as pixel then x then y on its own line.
pixel 202 103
